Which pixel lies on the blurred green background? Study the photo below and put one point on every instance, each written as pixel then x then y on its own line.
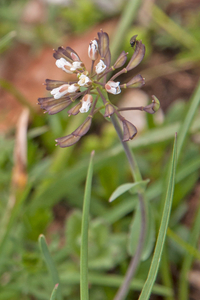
pixel 41 189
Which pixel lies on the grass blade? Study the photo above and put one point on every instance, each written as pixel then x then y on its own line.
pixel 54 293
pixel 50 264
pixel 128 15
pixel 84 295
pixel 189 249
pixel 176 31
pixel 112 281
pixel 146 291
pixel 6 40
pixel 188 259
pixel 184 128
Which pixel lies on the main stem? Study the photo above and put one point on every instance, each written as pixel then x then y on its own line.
pixel 123 290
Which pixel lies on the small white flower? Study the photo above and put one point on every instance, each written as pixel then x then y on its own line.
pixel 86 103
pixel 60 91
pixel 64 65
pixel 93 50
pixel 76 65
pixel 64 90
pixel 73 88
pixel 113 87
pixel 100 67
pixel 84 80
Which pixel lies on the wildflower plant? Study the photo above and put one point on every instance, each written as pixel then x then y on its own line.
pixel 89 94
pixel 91 87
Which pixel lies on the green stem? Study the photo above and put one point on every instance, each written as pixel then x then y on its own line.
pixel 133 164
pixel 123 290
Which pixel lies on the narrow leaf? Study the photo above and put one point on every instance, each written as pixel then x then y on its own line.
pixel 133 187
pixel 146 291
pixel 54 292
pixel 150 234
pixel 188 258
pixel 84 295
pixel 184 128
pixel 50 264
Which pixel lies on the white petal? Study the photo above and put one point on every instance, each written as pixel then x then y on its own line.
pixel 84 80
pixel 113 87
pixel 61 63
pixel 56 92
pixel 85 107
pixel 73 88
pixel 100 67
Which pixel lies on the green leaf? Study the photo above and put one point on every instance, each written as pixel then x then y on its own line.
pixel 135 232
pixel 150 234
pixel 6 40
pixel 184 128
pixel 50 264
pixel 146 291
pixel 84 295
pixel 113 281
pixel 133 187
pixel 54 292
pixel 188 258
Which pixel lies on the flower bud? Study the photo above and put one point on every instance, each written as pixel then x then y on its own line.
pixel 62 53
pixel 121 60
pixel 75 109
pixel 153 107
pixel 53 106
pixel 86 103
pixel 136 82
pixel 156 103
pixel 73 54
pixel 83 128
pixel 113 87
pixel 93 50
pixel 104 47
pixel 52 84
pixel 129 130
pixel 67 141
pixel 109 110
pixel 137 56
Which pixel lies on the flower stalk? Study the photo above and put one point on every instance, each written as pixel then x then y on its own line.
pixel 84 93
pixel 123 290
